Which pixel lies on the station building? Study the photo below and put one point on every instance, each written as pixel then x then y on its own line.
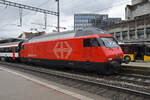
pixel 136 27
pixel 137 9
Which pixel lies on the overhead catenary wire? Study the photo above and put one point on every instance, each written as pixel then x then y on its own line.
pixel 107 8
pixel 22 15
pixel 27 7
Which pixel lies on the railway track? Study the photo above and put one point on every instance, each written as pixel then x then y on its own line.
pixel 136 70
pixel 129 83
pixel 132 78
pixel 138 79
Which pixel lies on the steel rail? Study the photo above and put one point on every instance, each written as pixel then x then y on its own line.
pixel 133 78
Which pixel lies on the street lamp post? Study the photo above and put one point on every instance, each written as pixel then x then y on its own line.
pixel 58 16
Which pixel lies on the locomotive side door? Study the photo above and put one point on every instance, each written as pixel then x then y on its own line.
pixel 90 49
pixel 87 50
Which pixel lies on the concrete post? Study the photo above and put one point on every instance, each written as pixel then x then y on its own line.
pixel 136 36
pixel 121 36
pixel 115 35
pixel 128 33
pixel 145 35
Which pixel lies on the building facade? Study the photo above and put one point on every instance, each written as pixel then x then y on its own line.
pixel 131 31
pixel 137 26
pixel 85 20
pixel 137 9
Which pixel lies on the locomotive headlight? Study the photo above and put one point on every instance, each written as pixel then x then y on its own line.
pixel 110 59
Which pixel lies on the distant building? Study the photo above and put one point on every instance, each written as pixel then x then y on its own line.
pixel 138 9
pixel 30 34
pixel 100 23
pixel 93 20
pixel 85 20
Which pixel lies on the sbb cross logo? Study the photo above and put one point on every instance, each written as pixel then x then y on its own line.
pixel 62 50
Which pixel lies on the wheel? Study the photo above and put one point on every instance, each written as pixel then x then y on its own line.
pixel 127 59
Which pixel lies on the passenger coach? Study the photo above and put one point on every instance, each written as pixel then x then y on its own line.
pixel 9 51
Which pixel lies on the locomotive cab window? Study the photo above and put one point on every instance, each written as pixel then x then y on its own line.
pixel 90 42
pixel 109 42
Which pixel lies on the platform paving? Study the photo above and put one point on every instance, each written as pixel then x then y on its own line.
pixel 14 86
pixel 142 68
pixel 138 64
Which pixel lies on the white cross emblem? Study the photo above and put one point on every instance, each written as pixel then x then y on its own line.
pixel 60 51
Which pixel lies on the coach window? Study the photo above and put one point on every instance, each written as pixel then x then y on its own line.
pixel 16 49
pixel 6 49
pixel 9 49
pixel 1 49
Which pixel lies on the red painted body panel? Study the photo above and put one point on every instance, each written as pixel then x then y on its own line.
pixel 70 49
pixel 54 50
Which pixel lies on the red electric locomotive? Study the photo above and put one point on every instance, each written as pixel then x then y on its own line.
pixel 83 49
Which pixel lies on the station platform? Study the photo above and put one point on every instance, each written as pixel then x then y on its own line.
pixel 16 86
pixel 142 68
pixel 138 64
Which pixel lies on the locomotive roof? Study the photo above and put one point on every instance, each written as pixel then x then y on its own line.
pixel 67 34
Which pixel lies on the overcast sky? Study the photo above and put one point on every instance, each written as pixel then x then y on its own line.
pixel 9 16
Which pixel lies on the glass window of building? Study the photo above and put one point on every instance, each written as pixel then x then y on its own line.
pixel 140 33
pixel 111 33
pixel 124 35
pixel 118 36
pixel 132 34
pixel 148 33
